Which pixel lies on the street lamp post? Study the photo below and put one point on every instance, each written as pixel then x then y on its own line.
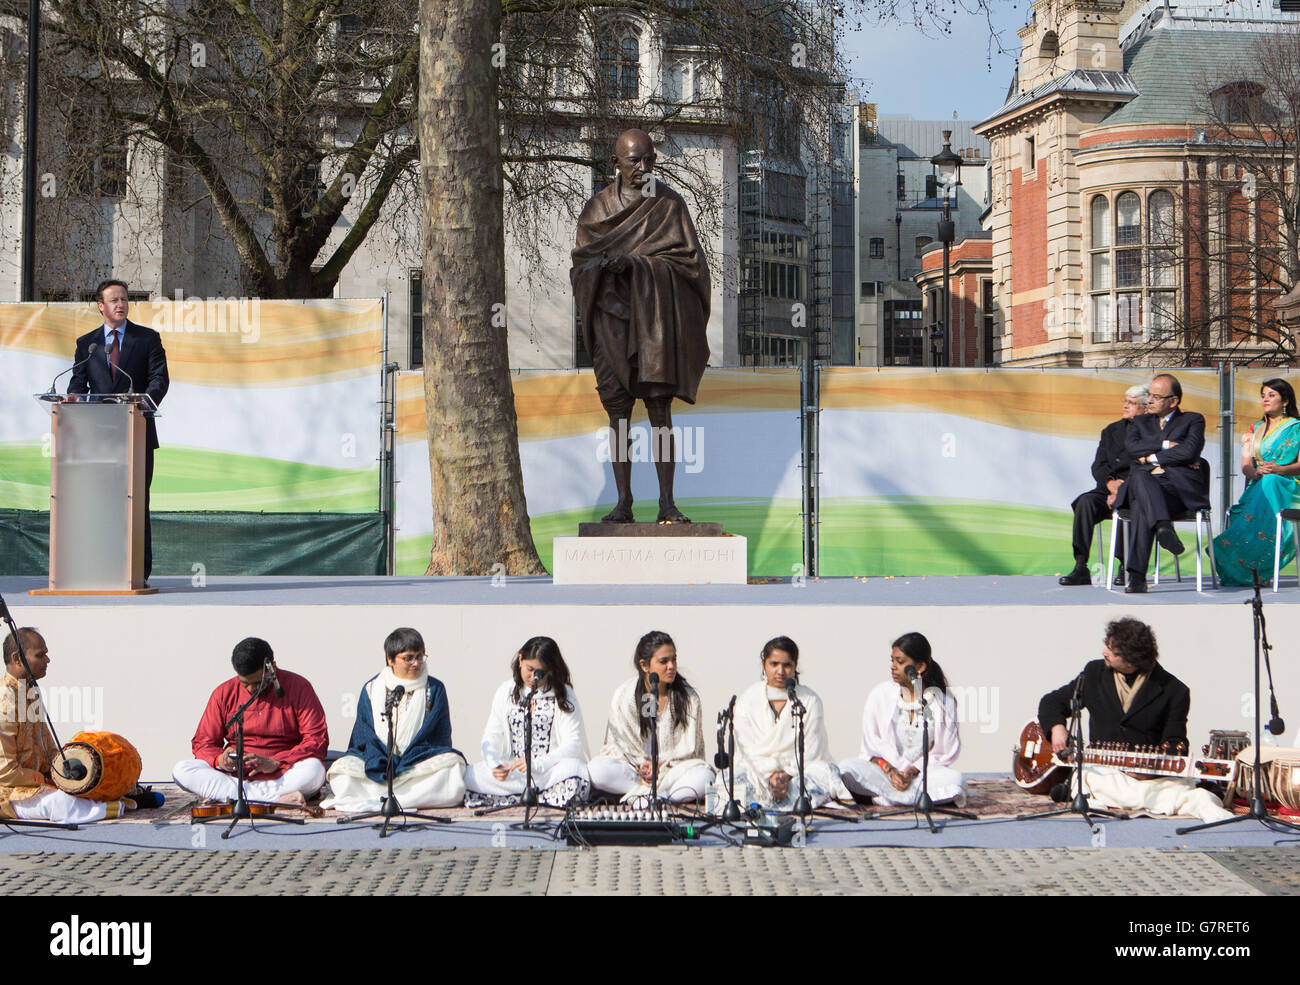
pixel 947 166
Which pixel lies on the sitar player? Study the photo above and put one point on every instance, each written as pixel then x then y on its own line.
pixel 1134 701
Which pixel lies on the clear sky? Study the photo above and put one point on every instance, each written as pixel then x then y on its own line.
pixel 927 74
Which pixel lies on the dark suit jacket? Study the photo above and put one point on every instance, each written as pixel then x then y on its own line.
pixel 1158 712
pixel 1112 460
pixel 142 357
pixel 1182 464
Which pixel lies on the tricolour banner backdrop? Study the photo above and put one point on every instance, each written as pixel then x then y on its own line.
pixel 738 461
pixel 273 407
pixel 969 472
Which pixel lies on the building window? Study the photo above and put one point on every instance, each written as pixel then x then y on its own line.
pixel 987 316
pixel 902 186
pixel 877 248
pixel 921 243
pixel 1133 267
pixel 904 334
pixel 620 67
pixel 772 350
pixel 1031 161
pixel 868 289
pixel 416 317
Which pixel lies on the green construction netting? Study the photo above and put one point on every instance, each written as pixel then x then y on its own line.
pixel 225 543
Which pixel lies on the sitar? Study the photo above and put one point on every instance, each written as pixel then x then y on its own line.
pixel 1037 769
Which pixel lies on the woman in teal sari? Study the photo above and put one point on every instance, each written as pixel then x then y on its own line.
pixel 1269 462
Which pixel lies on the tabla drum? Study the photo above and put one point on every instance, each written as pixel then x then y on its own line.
pixel 1279 781
pixel 112 766
pixel 1284 779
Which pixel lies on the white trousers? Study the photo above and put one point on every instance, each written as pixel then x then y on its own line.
pixel 677 785
pixel 821 780
pixel 438 781
pixel 479 778
pixel 1172 796
pixel 63 808
pixel 198 777
pixel 862 776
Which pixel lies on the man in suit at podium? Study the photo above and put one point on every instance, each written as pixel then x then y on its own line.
pixel 130 359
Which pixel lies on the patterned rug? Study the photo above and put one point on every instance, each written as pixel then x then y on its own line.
pixel 994 798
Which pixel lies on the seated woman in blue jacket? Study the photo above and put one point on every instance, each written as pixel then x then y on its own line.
pixel 428 772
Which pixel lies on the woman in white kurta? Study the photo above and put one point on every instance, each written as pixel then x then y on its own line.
pixel 889 767
pixel 428 772
pixel 559 742
pixel 767 770
pixel 623 766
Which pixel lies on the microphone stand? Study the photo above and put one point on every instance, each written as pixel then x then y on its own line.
pixel 803 808
pixel 923 803
pixel 1079 805
pixel 1258 811
pixel 241 809
pixel 726 761
pixel 531 798
pixel 389 807
pixel 70 770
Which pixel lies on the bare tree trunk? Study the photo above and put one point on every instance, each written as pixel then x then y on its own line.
pixel 480 518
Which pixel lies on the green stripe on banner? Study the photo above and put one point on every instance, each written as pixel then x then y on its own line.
pixel 877 537
pixel 234 544
pixel 771 527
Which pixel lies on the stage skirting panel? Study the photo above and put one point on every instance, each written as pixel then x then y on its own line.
pixel 145 670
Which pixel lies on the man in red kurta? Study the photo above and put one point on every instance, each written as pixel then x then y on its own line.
pixel 285 735
pixel 641 285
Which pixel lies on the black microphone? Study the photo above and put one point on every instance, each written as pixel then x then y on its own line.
pixel 539 683
pixel 394 696
pixel 910 671
pixel 94 348
pixel 275 681
pixel 1275 724
pixel 720 759
pixel 652 681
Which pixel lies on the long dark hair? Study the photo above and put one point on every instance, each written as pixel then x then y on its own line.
pixel 781 643
pixel 1283 390
pixel 679 692
pixel 555 670
pixel 917 647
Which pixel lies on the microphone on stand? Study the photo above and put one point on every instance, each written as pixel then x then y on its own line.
pixel 94 348
pixel 720 759
pixel 394 696
pixel 275 681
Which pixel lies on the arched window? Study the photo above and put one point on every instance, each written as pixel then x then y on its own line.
pixel 1133 266
pixel 1238 102
pixel 620 66
pixel 1051 45
pixel 921 243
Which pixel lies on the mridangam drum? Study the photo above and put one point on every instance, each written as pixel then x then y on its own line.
pixel 112 766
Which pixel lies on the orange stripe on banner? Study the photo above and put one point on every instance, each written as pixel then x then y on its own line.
pixel 1068 403
pixel 224 343
pixel 564 404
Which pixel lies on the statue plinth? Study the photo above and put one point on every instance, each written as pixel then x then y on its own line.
pixel 603 529
pixel 650 554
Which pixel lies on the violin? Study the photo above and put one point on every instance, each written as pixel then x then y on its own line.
pixel 254 809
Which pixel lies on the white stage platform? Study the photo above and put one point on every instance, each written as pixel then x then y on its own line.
pixel 144 666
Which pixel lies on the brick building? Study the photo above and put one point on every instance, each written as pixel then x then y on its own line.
pixel 1117 206
pixel 969 338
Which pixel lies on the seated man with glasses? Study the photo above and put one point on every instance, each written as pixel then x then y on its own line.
pixel 1166 479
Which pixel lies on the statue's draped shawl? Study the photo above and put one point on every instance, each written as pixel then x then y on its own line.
pixel 664 300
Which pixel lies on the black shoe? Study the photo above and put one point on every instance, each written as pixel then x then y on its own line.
pixel 1168 538
pixel 1079 576
pixel 1137 585
pixel 1119 578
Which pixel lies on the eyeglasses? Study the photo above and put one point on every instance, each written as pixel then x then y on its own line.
pixel 1159 396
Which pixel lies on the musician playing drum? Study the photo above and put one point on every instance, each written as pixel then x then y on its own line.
pixel 27 789
pixel 1133 701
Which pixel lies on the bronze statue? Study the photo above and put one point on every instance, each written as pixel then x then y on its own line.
pixel 642 289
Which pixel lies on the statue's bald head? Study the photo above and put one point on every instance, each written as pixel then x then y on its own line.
pixel 634 156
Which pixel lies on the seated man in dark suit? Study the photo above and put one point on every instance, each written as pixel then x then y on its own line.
pixel 130 359
pixel 1166 478
pixel 1110 469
